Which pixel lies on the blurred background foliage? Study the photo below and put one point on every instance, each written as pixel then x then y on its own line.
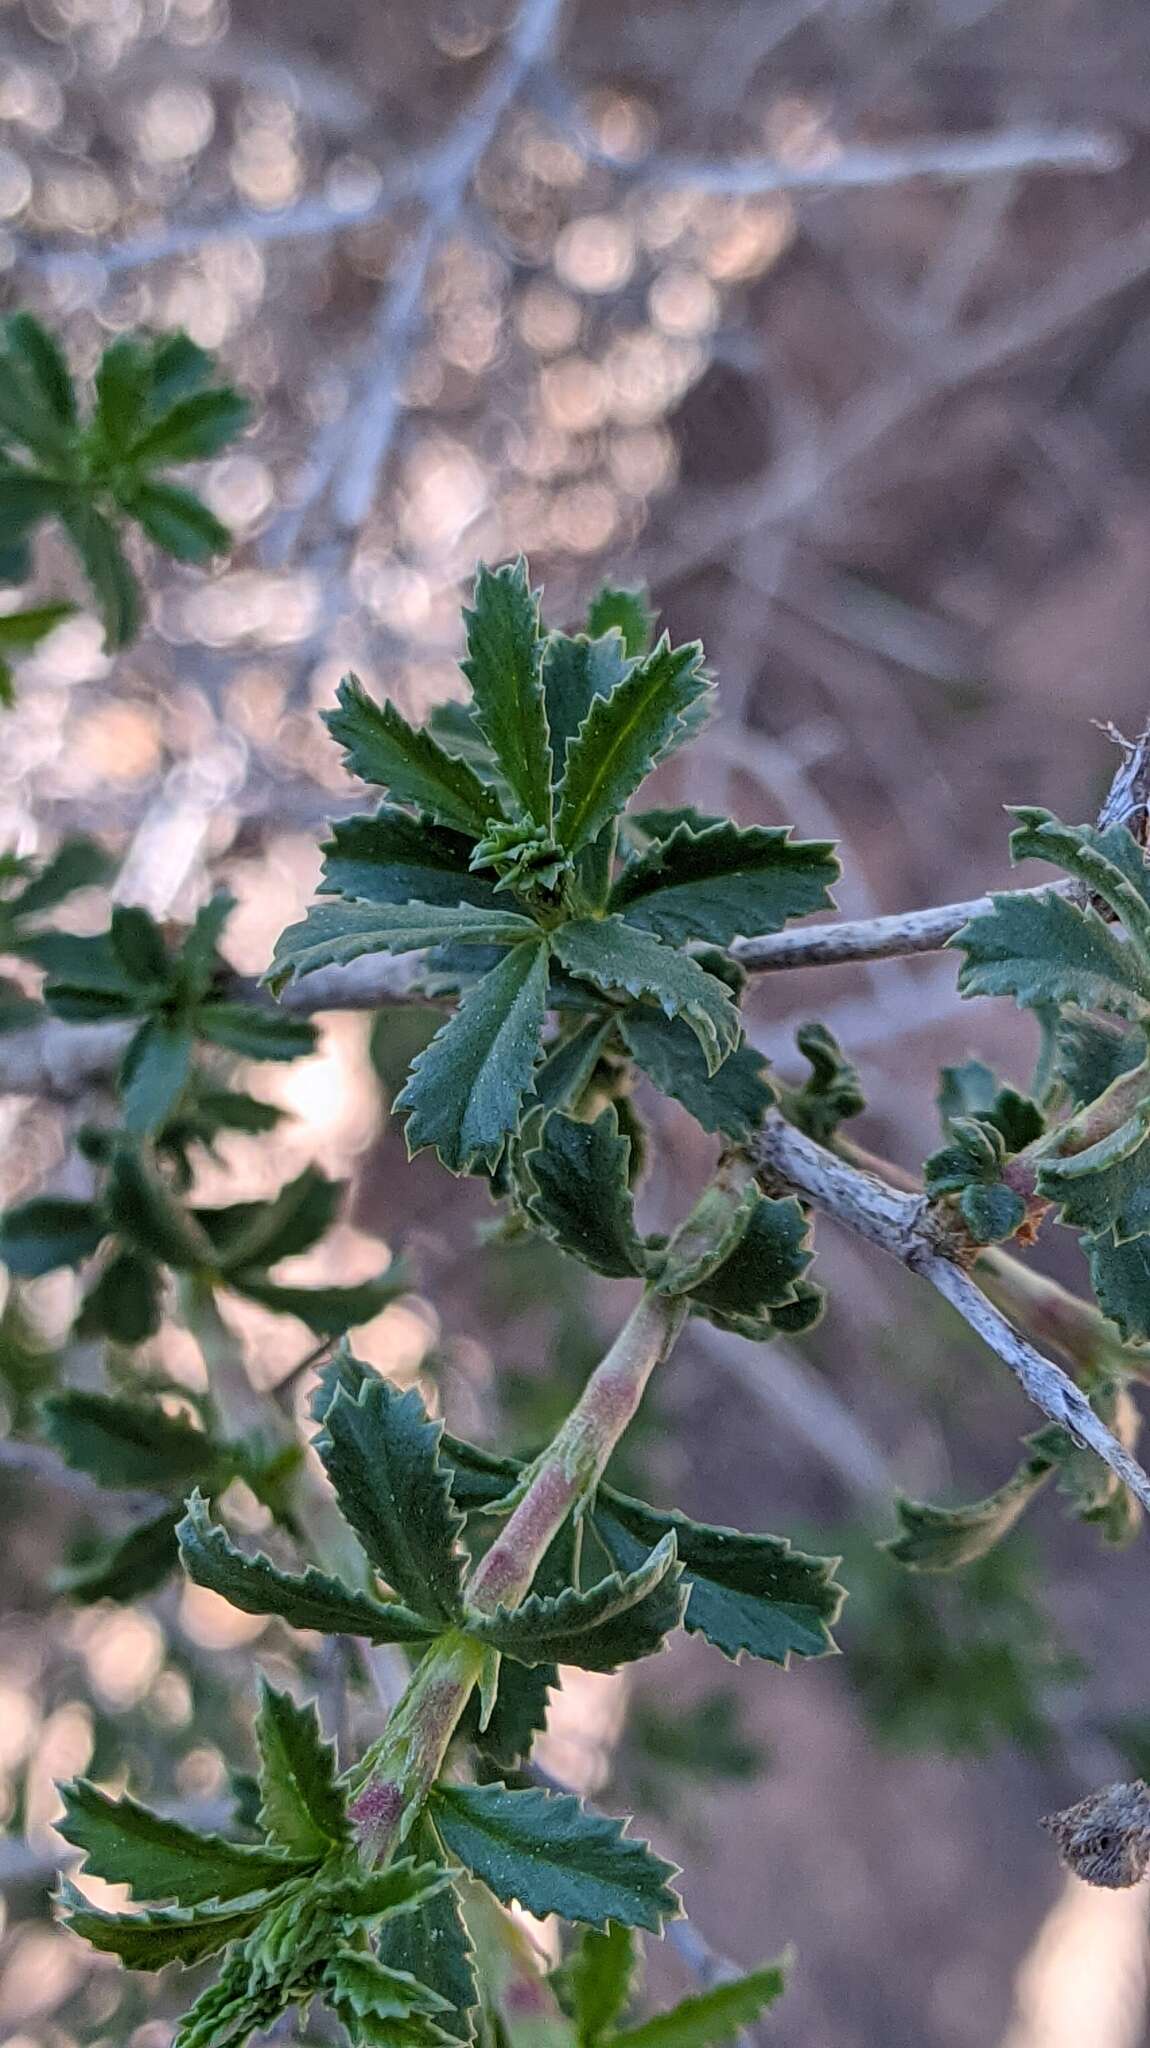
pixel 623 287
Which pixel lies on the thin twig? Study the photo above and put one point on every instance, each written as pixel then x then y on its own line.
pixel 953 159
pixel 902 1226
pixel 872 938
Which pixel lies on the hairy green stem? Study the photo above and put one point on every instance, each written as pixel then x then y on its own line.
pixel 409 1756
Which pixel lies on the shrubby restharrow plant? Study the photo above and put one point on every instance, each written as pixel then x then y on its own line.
pixel 586 943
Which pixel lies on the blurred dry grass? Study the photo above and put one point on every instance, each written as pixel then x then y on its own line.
pixel 884 449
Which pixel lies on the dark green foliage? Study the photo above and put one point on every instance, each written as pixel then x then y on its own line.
pixel 382 1456
pixel 575 1185
pixel 496 856
pixel 833 1091
pixel 154 407
pixel 619 1620
pixel 549 1852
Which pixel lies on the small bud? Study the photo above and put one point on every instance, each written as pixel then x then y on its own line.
pixel 1105 1838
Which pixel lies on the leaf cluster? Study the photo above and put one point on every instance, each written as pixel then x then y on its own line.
pixel 501 856
pixel 97 469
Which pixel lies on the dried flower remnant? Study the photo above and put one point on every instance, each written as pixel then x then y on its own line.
pixel 1105 1838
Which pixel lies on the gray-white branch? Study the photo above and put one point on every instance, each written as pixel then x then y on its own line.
pixel 871 938
pixel 901 1225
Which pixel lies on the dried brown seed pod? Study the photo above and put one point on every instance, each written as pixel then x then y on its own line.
pixel 1105 1838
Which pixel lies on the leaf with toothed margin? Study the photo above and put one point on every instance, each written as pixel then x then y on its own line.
pixel 504 667
pixel 725 882
pixel 934 1539
pixel 1104 1189
pixel 622 610
pixel 622 1619
pixel 381 1453
pixel 573 1182
pixel 1042 949
pixel 301 1808
pixel 126 1843
pixel 624 736
pixel 722 2013
pixel 306 1600
pixel 565 1071
pixel 465 1092
pixel 383 748
pixel 391 857
pixel 575 672
pixel 333 934
pixel 1120 1275
pixel 127 1443
pixel 761 1272
pixel 746 1592
pixel 519 1715
pixel 433 1945
pixel 621 961
pixel 150 1941
pixel 553 1855
pixel 1107 860
pixel 733 1101
pixel 1090 1053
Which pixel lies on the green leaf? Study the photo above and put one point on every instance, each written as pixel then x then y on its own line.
pixel 624 610
pixel 720 2014
pixel 106 566
pixel 761 1272
pixel 381 1454
pixel 991 1214
pixel 624 736
pixel 383 748
pixel 576 1188
pixel 1042 949
pixel 618 1621
pixel 520 1713
pixel 256 1034
pixel 976 1154
pixel 309 1600
pixel 433 1945
pixel 933 1539
pixel 725 882
pixel 141 1208
pixel 1092 1053
pixel 123 378
pixel 76 864
pixel 1109 862
pixel 370 1989
pixel 598 1979
pixel 621 961
pixel 968 1090
pixel 125 1442
pixel 126 1843
pixel 709 1234
pixel 177 521
pixel 124 1302
pixel 565 1073
pixel 1104 1189
pixel 49 1231
pixel 124 1567
pixel 327 1311
pixel 179 366
pixel 21 631
pixel 25 499
pixel 832 1091
pixel 391 857
pixel 154 1072
pixel 138 944
pixel 733 1101
pixel 747 1592
pixel 150 1941
pixel 1120 1276
pixel 85 981
pixel 503 666
pixel 553 1855
pixel 250 1235
pixel 27 415
pixel 333 933
pixel 192 429
pixel 575 672
pixel 302 1810
pixel 465 1091
pixel 44 362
